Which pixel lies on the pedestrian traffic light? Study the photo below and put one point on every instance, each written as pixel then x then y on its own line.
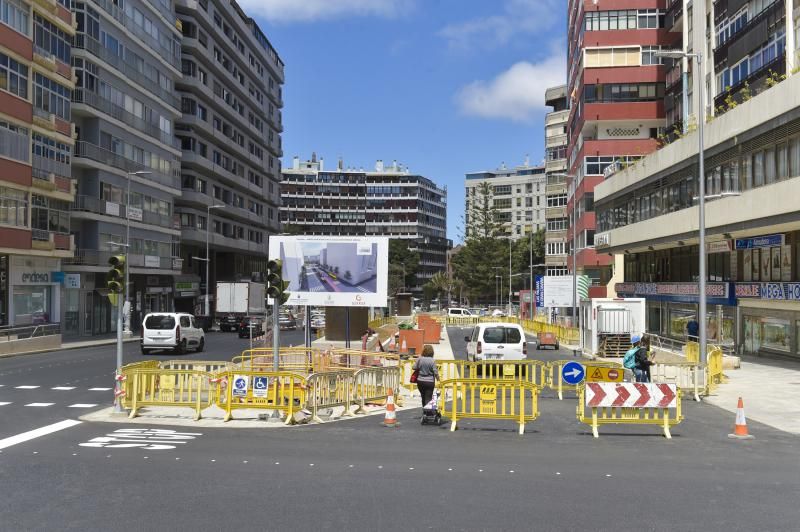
pixel 277 286
pixel 115 280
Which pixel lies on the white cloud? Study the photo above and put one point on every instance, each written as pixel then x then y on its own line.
pixel 312 10
pixel 518 17
pixel 516 94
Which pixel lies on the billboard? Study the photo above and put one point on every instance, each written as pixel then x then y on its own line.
pixel 558 291
pixel 331 271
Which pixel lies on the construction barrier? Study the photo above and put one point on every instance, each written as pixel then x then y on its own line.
pixel 532 371
pixel 555 380
pixel 329 389
pixel 492 399
pixel 714 375
pixel 282 391
pixel 166 387
pixel 568 335
pixel 208 366
pixel 689 377
pixel 654 409
pixel 373 384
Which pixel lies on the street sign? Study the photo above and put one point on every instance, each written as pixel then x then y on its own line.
pixel 488 399
pixel 601 374
pixel 260 386
pixel 631 395
pixel 572 373
pixel 509 370
pixel 240 385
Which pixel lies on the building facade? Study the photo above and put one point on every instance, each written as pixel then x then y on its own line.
pixel 556 219
pixel 649 213
pixel 126 161
pixel 230 135
pixel 616 85
pixel 517 194
pixel 387 201
pixel 36 150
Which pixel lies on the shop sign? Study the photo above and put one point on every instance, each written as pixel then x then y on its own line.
pixel 186 285
pixel 772 291
pixel 57 277
pixel 112 208
pixel 722 246
pixel 671 289
pixel 151 261
pixel 72 280
pixel 135 213
pixel 602 240
pixel 760 242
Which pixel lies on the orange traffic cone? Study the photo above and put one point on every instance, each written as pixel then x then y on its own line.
pixel 390 419
pixel 404 347
pixel 740 428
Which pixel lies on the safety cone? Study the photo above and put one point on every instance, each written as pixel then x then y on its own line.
pixel 404 347
pixel 740 428
pixel 390 419
pixel 392 345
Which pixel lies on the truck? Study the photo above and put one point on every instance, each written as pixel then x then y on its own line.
pixel 609 324
pixel 237 300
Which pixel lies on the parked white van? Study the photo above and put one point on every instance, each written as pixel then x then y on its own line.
pixel 172 330
pixel 497 341
pixel 459 312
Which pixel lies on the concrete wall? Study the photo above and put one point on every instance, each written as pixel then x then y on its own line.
pixel 30 344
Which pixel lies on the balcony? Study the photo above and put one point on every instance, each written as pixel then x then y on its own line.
pixel 769 16
pixel 50 6
pixel 555 212
pixel 107 208
pixel 92 257
pixel 44 58
pixel 93 152
pixel 674 15
pixel 43 240
pixel 44 119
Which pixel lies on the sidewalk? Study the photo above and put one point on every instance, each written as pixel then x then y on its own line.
pixel 78 344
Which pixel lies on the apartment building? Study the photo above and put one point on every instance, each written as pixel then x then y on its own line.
pixel 649 211
pixel 126 162
pixel 36 150
pixel 230 135
pixel 387 201
pixel 555 166
pixel 517 194
pixel 616 85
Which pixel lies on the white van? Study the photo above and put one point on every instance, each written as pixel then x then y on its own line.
pixel 497 341
pixel 458 312
pixel 171 330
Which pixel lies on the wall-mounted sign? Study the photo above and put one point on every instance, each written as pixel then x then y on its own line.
pixel 112 208
pixel 772 291
pixel 722 246
pixel 72 280
pixel 57 277
pixel 671 289
pixel 602 240
pixel 135 213
pixel 760 242
pixel 151 261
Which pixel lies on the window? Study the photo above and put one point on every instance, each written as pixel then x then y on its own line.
pixel 618 92
pixel 49 214
pixel 650 19
pixel 612 57
pixel 51 97
pixel 14 13
pixel 13 207
pixel 559 200
pixel 49 38
pixel 13 76
pixel 649 55
pixel 14 142
pixel 556 248
pixel 502 190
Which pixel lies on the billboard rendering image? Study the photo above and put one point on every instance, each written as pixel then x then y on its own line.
pixel 334 271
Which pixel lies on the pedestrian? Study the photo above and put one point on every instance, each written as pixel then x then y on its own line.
pixel 643 362
pixel 692 330
pixel 629 360
pixel 427 374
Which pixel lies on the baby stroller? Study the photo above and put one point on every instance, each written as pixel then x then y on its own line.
pixel 430 412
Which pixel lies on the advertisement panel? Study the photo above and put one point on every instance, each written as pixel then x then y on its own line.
pixel 330 271
pixel 558 291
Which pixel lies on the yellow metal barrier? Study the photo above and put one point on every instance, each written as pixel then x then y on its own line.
pixel 492 399
pixel 167 387
pixel 556 382
pixel 373 384
pixel 285 392
pixel 327 390
pixel 209 366
pixel 628 416
pixel 687 376
pixel 532 371
pixel 714 375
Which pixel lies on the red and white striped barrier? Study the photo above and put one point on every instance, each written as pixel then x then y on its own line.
pixel 631 395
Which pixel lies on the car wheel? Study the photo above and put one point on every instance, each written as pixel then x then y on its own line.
pixel 556 347
pixel 144 351
pixel 201 345
pixel 181 348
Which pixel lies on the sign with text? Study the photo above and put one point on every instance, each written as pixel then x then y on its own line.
pixel 671 289
pixel 760 242
pixel 602 374
pixel 488 395
pixel 773 291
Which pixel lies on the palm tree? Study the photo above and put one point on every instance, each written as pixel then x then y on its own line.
pixel 440 282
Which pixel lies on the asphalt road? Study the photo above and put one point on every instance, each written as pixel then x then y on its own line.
pixel 358 475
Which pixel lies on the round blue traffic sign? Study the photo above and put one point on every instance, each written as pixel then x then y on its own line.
pixel 572 373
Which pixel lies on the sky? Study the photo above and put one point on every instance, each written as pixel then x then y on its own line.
pixel 445 87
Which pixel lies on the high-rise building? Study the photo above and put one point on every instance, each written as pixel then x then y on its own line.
pixel 387 201
pixel 555 138
pixel 230 134
pixel 126 161
pixel 616 85
pixel 517 195
pixel 36 148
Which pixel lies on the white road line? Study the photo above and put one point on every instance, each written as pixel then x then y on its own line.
pixel 37 433
pixel 63 388
pixel 40 404
pixel 25 387
pixel 99 389
pixel 82 405
pixel 4 404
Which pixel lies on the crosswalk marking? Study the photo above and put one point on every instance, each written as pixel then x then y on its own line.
pixel 63 388
pixel 99 389
pixel 82 405
pixel 40 404
pixel 5 403
pixel 26 387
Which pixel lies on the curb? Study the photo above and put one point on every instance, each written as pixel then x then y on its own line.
pixel 68 347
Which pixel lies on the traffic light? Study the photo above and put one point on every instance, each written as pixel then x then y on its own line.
pixel 277 286
pixel 115 279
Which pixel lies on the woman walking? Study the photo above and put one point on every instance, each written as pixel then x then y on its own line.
pixel 427 374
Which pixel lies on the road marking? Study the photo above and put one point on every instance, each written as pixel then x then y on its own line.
pixel 99 389
pixel 4 404
pixel 25 387
pixel 40 404
pixel 37 433
pixel 63 388
pixel 82 405
pixel 148 439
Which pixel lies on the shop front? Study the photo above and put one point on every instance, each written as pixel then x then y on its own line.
pixel 187 294
pixel 770 319
pixel 33 293
pixel 87 310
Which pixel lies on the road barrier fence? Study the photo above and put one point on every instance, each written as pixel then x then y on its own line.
pixel 503 399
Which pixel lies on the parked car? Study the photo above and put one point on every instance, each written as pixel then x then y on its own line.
pixel 229 323
pixel 317 323
pixel 497 341
pixel 544 339
pixel 245 325
pixel 174 331
pixel 458 312
pixel 287 322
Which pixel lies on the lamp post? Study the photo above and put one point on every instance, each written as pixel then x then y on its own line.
pixel 701 200
pixel 510 293
pixel 128 248
pixel 206 309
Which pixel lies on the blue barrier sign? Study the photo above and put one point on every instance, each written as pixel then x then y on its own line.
pixel 572 373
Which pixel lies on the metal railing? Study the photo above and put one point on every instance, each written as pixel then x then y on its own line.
pixel 94 152
pixel 15 145
pixel 47 166
pixel 9 333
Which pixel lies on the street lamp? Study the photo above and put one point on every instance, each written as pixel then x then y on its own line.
pixel 207 259
pixel 128 248
pixel 698 57
pixel 510 241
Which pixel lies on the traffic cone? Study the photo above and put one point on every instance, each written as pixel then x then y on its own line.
pixel 392 345
pixel 740 428
pixel 390 419
pixel 404 347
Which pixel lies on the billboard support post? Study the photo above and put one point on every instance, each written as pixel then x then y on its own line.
pixel 307 319
pixel 275 335
pixel 347 328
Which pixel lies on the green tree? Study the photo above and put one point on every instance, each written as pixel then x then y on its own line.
pixel 482 219
pixel 401 258
pixel 440 283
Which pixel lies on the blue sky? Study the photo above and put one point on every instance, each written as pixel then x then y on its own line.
pixel 443 86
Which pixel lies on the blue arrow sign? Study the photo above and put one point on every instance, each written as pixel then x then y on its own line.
pixel 572 373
